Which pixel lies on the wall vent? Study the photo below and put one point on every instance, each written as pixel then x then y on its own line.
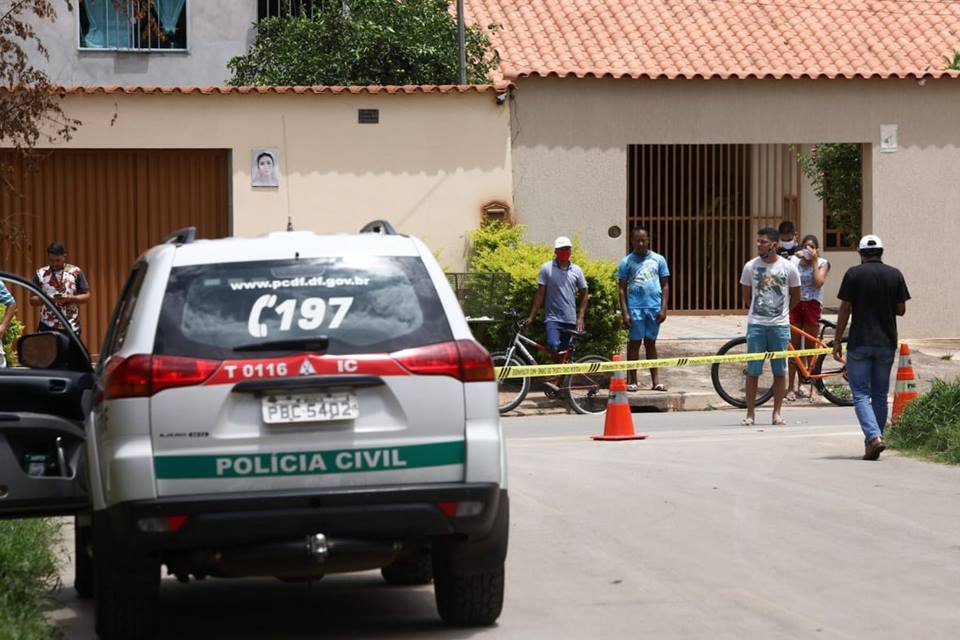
pixel 368 116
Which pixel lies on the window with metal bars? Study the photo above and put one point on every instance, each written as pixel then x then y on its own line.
pixel 287 8
pixel 135 25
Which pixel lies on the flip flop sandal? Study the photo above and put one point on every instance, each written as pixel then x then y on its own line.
pixel 632 387
pixel 778 421
pixel 791 397
pixel 747 422
pixel 659 387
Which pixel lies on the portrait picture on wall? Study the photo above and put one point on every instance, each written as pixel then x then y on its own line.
pixel 266 167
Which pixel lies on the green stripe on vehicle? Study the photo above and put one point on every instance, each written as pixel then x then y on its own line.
pixel 306 463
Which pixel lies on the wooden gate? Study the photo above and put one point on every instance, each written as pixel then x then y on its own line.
pixel 703 205
pixel 107 207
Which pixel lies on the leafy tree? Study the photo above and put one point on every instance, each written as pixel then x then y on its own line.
pixel 30 109
pixel 835 171
pixel 393 42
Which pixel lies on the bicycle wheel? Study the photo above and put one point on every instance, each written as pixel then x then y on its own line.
pixel 510 391
pixel 833 385
pixel 588 392
pixel 730 378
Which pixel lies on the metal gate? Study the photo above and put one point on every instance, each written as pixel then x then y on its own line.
pixel 107 207
pixel 703 205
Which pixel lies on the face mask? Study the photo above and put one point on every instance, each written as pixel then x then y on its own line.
pixel 563 254
pixel 769 252
pixel 789 244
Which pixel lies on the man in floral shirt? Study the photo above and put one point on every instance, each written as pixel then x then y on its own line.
pixel 9 308
pixel 63 283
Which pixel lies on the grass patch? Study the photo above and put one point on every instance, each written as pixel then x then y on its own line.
pixel 28 573
pixel 930 425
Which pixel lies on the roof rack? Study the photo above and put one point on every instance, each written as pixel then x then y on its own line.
pixel 379 226
pixel 181 236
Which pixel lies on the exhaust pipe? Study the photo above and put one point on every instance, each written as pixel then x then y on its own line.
pixel 310 557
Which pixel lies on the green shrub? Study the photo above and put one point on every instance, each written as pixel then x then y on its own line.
pixel 14 331
pixel 28 573
pixel 930 425
pixel 500 248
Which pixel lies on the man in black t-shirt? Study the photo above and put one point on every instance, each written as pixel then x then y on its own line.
pixel 875 294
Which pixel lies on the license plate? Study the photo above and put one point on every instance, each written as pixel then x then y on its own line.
pixel 309 407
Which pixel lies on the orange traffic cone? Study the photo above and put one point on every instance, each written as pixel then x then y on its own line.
pixel 906 389
pixel 618 424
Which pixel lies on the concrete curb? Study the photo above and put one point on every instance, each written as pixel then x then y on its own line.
pixel 640 402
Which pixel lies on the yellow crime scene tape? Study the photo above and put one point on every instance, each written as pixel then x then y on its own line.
pixel 531 371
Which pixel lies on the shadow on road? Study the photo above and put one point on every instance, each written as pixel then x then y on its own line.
pixel 356 606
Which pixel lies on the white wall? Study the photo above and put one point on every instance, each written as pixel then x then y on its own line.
pixel 571 135
pixel 217 30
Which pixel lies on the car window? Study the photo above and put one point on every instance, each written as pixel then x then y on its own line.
pixel 120 321
pixel 364 304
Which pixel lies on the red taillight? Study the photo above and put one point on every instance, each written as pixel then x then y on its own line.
pixel 464 360
pixel 175 371
pixel 127 377
pixel 142 375
pixel 476 362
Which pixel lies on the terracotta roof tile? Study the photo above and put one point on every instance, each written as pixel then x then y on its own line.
pixel 372 89
pixel 721 38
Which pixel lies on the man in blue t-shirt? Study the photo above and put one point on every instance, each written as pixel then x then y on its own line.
pixel 644 295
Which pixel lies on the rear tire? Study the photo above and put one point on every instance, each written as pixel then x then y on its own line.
pixel 511 391
pixel 835 387
pixel 409 571
pixel 474 600
pixel 588 393
pixel 82 560
pixel 730 378
pixel 127 590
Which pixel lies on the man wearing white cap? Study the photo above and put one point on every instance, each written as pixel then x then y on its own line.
pixel 875 294
pixel 558 284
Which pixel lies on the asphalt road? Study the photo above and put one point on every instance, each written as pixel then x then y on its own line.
pixel 704 530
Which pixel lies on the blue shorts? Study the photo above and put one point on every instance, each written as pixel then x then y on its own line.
pixel 767 338
pixel 643 324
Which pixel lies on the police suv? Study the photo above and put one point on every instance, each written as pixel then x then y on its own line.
pixel 291 405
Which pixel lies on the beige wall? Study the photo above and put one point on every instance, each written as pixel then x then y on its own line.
pixel 428 167
pixel 569 155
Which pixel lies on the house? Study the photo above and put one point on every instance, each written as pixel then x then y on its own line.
pixel 165 144
pixel 683 115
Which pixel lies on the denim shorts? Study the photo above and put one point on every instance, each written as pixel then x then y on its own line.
pixel 767 338
pixel 643 324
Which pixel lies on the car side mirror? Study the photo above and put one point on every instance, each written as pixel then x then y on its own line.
pixel 42 350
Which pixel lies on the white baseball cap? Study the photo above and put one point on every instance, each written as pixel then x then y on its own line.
pixel 561 242
pixel 870 242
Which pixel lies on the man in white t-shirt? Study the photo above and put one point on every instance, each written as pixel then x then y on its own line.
pixel 772 285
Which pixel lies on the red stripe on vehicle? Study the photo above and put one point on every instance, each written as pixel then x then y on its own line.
pixel 232 371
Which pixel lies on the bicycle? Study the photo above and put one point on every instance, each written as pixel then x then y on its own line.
pixel 585 393
pixel 827 375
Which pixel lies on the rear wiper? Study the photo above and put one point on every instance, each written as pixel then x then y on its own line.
pixel 319 343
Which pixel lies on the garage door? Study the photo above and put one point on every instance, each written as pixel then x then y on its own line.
pixel 107 207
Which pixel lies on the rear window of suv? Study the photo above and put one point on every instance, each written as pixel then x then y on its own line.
pixel 362 305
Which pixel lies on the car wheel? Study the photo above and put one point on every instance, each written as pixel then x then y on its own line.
pixel 409 571
pixel 83 560
pixel 127 590
pixel 469 600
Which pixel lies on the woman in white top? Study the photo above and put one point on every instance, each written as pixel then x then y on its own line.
pixel 806 315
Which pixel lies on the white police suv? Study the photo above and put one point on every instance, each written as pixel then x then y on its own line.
pixel 291 405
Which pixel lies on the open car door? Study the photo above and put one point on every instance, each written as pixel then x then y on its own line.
pixel 46 392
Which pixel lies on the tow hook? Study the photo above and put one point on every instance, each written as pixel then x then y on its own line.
pixel 317 547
